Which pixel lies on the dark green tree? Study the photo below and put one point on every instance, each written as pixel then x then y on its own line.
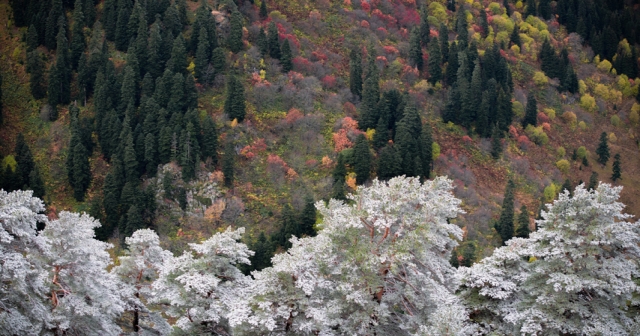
pixel 234 105
pixel 362 159
pixel 52 27
pixel 415 49
pixel 77 35
pixel 1 108
pixel 261 42
pixel 36 72
pixel 484 24
pixel 134 221
pixel 263 9
pixel 544 9
pixel 210 140
pixel 81 176
pixel 531 112
pixel 451 74
pixel 32 38
pixel 164 144
pixel 218 60
pixel 531 9
pixel 523 223
pixel 505 223
pixel 234 42
pixel 453 261
pixel 567 186
pixel 369 113
pixel 468 254
pixel 603 149
pixel 273 42
pixel 617 171
pixel 155 63
pixel 425 30
pixel 435 59
pixel 462 28
pixel 287 58
pixel 178 61
pixel 388 163
pixel 228 163
pixel 355 72
pixel 339 173
pixel 507 7
pixel 130 159
pixel 262 257
pixel 381 136
pixel 496 144
pixel 426 151
pixel 593 181
pixel 109 17
pixel 443 37
pixel 150 154
pixel 60 77
pixel 122 30
pixel 24 159
pixel 35 183
pixel 308 218
pixel 515 36
pixel 202 55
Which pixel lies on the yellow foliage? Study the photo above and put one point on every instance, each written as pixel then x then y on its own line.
pixel 551 113
pixel 234 122
pixel 263 74
pixel 550 192
pixel 519 4
pixel 615 120
pixel 582 87
pixel 582 152
pixel 540 79
pixel 588 103
pixel 537 135
pixel 495 8
pixel 582 125
pixel 9 161
pixel 612 137
pixel 563 165
pixel 561 151
pixel 634 117
pixel 570 118
pixel 438 11
pixel 369 134
pixel 604 66
pixel 17 53
pixel 191 68
pixel 518 109
pixel 351 182
pixel 515 49
pixel 435 151
pixel 502 37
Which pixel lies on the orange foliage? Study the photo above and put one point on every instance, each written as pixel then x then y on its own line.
pixel 390 49
pixel 293 115
pixel 327 162
pixel 546 127
pixel 351 182
pixel 291 174
pixel 341 141
pixel 349 108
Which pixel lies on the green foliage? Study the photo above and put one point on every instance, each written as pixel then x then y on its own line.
pixel 435 59
pixel 308 218
pixel 218 60
pixel 178 61
pixel 523 223
pixel 355 73
pixel 228 164
pixel 496 144
pixel 388 163
pixel 531 112
pixel 203 54
pixel 287 58
pixel 263 9
pixel 234 105
pixel 593 181
pixel 234 42
pixel 617 170
pixel 362 159
pixel 505 223
pixel 273 43
pixel 415 49
pixel 563 165
pixel 603 149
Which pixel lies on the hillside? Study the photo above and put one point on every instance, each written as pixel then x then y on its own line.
pixel 296 109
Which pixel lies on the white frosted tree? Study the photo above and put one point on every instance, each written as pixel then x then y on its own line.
pixel 204 290
pixel 379 266
pixel 84 298
pixel 574 276
pixel 138 268
pixel 22 289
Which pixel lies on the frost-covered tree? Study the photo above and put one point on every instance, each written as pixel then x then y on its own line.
pixel 204 290
pixel 139 268
pixel 22 288
pixel 379 266
pixel 574 276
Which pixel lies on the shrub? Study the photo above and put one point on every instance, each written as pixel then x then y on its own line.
pixel 561 151
pixel 615 120
pixel 540 79
pixel 582 152
pixel 435 151
pixel 605 66
pixel 518 109
pixel 588 103
pixel 582 125
pixel 549 192
pixel 563 165
pixel 537 135
pixel 612 137
pixel 570 118
pixel 551 113
pixel 633 116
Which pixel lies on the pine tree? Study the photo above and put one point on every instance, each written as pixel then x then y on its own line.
pixel 523 223
pixel 32 38
pixel 273 43
pixel 234 41
pixel 262 257
pixel 388 163
pixel 178 61
pixel 567 186
pixel 59 77
pixel 122 32
pixel 462 29
pixel 415 49
pixel 234 105
pixel 355 73
pixel 381 136
pixel 426 151
pixel 287 59
pixel 617 171
pixel 496 144
pixel 515 36
pixel 425 30
pixel 435 59
pixel 531 113
pixel 261 42
pixel 362 159
pixel 130 159
pixel 52 27
pixel 263 9
pixel 369 113
pixel 468 254
pixel 218 60
pixel 593 181
pixel 81 171
pixel 154 51
pixel 451 74
pixel 228 164
pixel 109 17
pixel 507 7
pixel 603 149
pixel 202 55
pixel 77 39
pixel 484 24
pixel 36 72
pixel 308 218
pixel 544 9
pixel 531 9
pixel 505 223
pixel 1 108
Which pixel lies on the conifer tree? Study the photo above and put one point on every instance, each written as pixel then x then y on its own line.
pixel 468 254
pixel 202 55
pixel 234 41
pixel 210 140
pixel 308 218
pixel 24 160
pixel 109 17
pixel 415 49
pixel 35 183
pixel 339 173
pixel 603 149
pixel 178 61
pixel 81 171
pixel 496 144
pixel 462 28
pixel 130 159
pixel 77 39
pixel 52 27
pixel 150 154
pixel 515 36
pixel 36 72
pixel 381 136
pixel 355 73
pixel 531 9
pixel 426 151
pixel 262 257
pixel 388 163
pixel 218 60
pixel 287 59
pixel 263 9
pixel 164 145
pixel 362 159
pixel 435 59
pixel 122 32
pixel 544 9
pixel 273 43
pixel 154 51
pixel 567 186
pixel 171 20
pixel 1 108
pixel 32 38
pixel 593 181
pixel 425 30
pixel 59 77
pixel 228 164
pixel 617 171
pixel 523 223
pixel 451 74
pixel 531 113
pixel 261 42
pixel 507 7
pixel 369 113
pixel 505 223
pixel 234 105
pixel 484 24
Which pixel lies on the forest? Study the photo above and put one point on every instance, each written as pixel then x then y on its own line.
pixel 388 167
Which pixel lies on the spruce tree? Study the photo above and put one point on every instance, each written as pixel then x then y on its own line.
pixel 426 151
pixel 228 164
pixel 178 61
pixel 544 9
pixel 484 24
pixel 388 163
pixel 567 186
pixel 617 171
pixel 462 28
pixel 505 223
pixel 369 113
pixel 89 11
pixel 355 73
pixel 415 49
pixel 109 17
pixel 122 32
pixel 261 42
pixel 425 30
pixel 515 36
pixel 435 59
pixel 593 181
pixel 154 51
pixel 36 74
pixel 443 37
pixel 81 171
pixel 262 257
pixel 218 60
pixel 210 140
pixel 24 160
pixel 234 105
pixel 130 159
pixel 1 108
pixel 287 59
pixel 77 35
pixel 273 43
pixel 263 9
pixel 134 221
pixel 362 159
pixel 451 74
pixel 202 55
pixel 496 144
pixel 523 223
pixel 234 42
pixel 531 112
pixel 531 9
pixel 468 254
pixel 507 7
pixel 35 183
pixel 52 27
pixel 32 38
pixel 308 218
pixel 339 173
pixel 603 149
pixel 381 136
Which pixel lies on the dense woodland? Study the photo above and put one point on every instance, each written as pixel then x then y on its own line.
pixel 172 121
